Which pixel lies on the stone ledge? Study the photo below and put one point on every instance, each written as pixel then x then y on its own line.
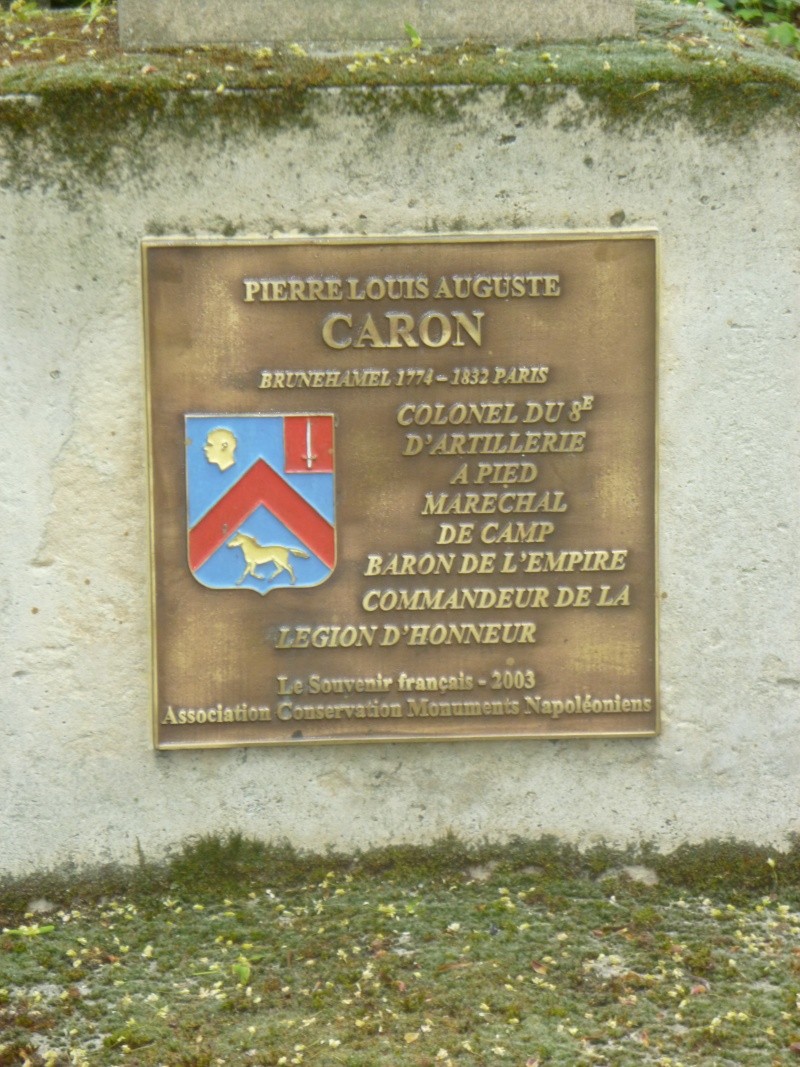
pixel 674 46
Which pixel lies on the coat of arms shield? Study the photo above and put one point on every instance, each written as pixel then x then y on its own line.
pixel 260 500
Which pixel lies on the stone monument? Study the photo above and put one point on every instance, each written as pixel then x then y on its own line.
pixel 363 293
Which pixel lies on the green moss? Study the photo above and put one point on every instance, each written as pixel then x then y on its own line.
pixel 384 105
pixel 91 135
pixel 215 865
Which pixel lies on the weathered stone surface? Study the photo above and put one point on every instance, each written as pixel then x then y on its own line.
pixel 337 24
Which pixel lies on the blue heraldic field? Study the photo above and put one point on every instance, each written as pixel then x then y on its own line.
pixel 260 500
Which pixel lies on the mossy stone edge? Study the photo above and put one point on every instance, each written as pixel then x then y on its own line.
pixel 86 125
pixel 75 139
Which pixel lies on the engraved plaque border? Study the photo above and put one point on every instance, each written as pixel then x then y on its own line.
pixel 354 241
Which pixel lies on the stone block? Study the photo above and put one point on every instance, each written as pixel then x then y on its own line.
pixel 346 24
pixel 81 781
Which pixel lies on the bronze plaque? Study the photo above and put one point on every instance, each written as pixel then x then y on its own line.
pixel 402 488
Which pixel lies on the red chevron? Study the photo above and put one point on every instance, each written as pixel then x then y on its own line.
pixel 261 485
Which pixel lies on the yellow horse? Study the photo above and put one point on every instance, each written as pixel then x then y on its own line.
pixel 255 553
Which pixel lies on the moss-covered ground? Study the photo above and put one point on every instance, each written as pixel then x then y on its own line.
pixel 526 954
